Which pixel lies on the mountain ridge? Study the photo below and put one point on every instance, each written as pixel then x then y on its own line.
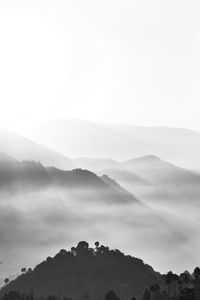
pixel 29 175
pixel 22 148
pixel 122 141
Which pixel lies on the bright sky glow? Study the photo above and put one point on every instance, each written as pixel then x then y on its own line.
pixel 109 61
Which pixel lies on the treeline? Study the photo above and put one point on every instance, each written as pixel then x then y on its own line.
pixel 85 273
pixel 185 286
pixel 14 295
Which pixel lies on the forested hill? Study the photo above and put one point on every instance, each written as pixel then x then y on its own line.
pixel 86 273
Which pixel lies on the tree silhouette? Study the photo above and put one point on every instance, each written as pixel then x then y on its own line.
pixel 73 250
pixel 197 272
pixel 23 270
pixel 82 248
pixel 197 282
pixel 168 281
pixel 6 280
pixel 185 277
pixel 175 279
pixel 96 245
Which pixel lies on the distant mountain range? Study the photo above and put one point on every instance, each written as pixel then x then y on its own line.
pixel 23 148
pixel 76 138
pixel 86 272
pixel 147 176
pixel 150 178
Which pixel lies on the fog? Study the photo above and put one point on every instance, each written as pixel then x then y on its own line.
pixel 106 62
pixel 43 210
pixel 36 225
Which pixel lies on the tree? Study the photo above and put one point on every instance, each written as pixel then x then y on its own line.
pixel 197 282
pixel 73 250
pixel 185 277
pixel 168 281
pixel 175 279
pixel 63 252
pixel 23 270
pixel 103 250
pixel 96 245
pixel 197 273
pixel 6 280
pixel 82 245
pixel 82 248
pixel 48 259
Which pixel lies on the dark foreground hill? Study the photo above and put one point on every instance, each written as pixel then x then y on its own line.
pixel 86 273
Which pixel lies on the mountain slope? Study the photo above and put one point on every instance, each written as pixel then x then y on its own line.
pixel 28 176
pixel 158 171
pixel 151 178
pixel 86 271
pixel 22 148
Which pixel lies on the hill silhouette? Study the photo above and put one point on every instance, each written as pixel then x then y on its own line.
pixel 27 176
pixel 152 178
pixel 158 171
pixel 86 273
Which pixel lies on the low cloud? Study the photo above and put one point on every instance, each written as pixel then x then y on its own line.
pixel 37 225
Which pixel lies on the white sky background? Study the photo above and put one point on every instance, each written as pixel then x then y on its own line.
pixel 109 61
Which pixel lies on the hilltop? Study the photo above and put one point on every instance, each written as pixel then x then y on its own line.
pixel 85 272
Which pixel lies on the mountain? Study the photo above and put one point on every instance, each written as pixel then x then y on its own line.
pixel 157 171
pixel 28 176
pixel 146 170
pixel 152 179
pixel 124 176
pixel 22 148
pixel 169 183
pixel 78 138
pixel 85 272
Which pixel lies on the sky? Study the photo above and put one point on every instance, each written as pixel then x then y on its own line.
pixel 124 61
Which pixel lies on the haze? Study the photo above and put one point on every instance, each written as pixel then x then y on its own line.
pixel 93 85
